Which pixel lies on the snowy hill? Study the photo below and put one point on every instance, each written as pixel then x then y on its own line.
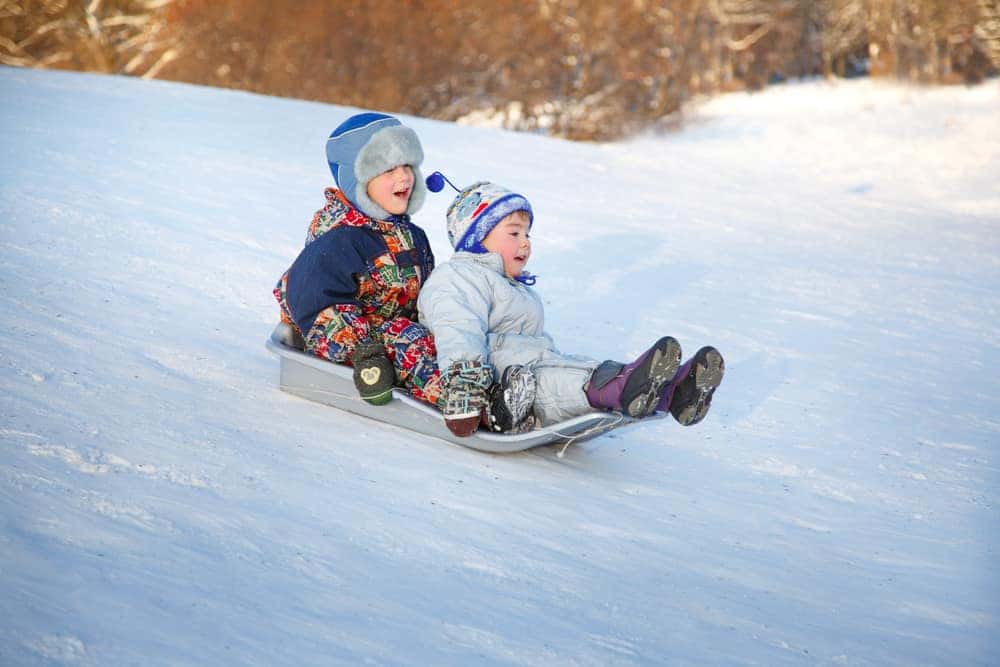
pixel 162 503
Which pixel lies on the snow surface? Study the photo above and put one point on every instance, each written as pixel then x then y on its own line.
pixel 163 503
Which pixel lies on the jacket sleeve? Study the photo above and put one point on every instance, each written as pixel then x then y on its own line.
pixel 456 310
pixel 324 275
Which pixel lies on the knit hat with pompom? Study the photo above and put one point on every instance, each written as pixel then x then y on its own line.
pixel 477 210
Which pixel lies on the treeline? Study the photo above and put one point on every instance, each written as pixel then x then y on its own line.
pixel 583 69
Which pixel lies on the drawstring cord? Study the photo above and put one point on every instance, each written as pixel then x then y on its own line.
pixel 527 279
pixel 570 439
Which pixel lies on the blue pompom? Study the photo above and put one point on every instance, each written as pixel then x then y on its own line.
pixel 435 182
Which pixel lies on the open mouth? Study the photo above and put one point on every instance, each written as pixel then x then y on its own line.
pixel 405 192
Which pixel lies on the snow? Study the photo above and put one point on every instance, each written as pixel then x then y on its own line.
pixel 161 502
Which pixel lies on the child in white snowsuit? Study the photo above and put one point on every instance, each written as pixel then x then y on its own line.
pixel 489 329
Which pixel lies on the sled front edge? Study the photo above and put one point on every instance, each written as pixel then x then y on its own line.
pixel 315 379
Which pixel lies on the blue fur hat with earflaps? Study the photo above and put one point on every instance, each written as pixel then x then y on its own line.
pixel 364 146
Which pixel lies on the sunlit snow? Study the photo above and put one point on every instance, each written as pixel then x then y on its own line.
pixel 161 502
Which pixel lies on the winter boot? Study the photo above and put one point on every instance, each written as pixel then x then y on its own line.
pixel 689 395
pixel 373 373
pixel 635 388
pixel 509 402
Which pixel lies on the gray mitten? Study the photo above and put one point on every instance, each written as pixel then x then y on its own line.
pixel 464 387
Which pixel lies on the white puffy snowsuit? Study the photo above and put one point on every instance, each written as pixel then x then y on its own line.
pixel 476 313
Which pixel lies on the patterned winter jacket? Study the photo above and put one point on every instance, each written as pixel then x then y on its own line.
pixel 366 271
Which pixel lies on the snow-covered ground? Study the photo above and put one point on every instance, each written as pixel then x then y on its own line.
pixel 161 502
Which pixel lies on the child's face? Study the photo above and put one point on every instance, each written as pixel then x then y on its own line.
pixel 392 189
pixel 510 240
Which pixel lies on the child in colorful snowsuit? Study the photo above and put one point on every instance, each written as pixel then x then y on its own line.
pixel 351 294
pixel 488 325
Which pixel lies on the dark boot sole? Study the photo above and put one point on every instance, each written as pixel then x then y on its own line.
pixel 642 390
pixel 708 370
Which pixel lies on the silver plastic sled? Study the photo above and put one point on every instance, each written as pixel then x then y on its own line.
pixel 317 380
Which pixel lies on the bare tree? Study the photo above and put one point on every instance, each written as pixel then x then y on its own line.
pixel 123 36
pixel 987 30
pixel 583 69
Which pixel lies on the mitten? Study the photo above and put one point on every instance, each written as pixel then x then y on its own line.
pixel 464 387
pixel 373 373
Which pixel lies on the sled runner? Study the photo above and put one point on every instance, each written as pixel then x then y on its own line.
pixel 310 377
